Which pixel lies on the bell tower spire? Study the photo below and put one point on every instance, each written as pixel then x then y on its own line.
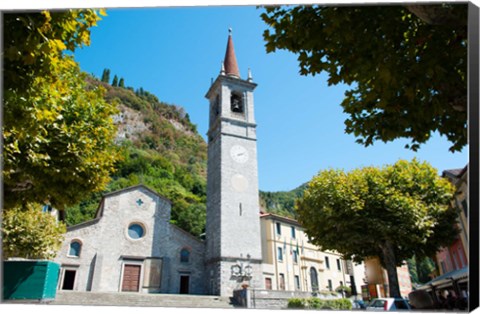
pixel 230 61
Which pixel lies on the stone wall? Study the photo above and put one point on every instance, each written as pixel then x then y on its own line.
pixel 270 299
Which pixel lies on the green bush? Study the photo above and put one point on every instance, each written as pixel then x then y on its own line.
pixel 316 303
pixel 296 303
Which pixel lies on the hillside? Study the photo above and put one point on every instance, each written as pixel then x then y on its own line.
pixel 161 148
pixel 281 203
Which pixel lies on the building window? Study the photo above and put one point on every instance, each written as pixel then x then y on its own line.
pixel 184 256
pixel 339 266
pixel 327 262
pixel 136 231
pixel 444 268
pixel 75 248
pixel 280 254
pixel 282 282
pixel 295 256
pixel 462 257
pixel 455 261
pixel 268 283
pixel 465 207
pixel 293 232
pixel 236 103
pixel 314 279
pixel 279 228
pixel 330 287
pixel 297 282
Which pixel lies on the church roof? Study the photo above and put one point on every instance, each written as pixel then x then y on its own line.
pixel 230 61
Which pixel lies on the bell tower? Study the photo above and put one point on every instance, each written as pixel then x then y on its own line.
pixel 233 239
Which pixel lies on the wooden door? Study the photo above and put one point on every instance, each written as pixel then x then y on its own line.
pixel 131 278
pixel 184 284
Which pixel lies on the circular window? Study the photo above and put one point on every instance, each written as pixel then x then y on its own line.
pixel 136 231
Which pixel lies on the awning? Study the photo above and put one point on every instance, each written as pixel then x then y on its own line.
pixel 446 278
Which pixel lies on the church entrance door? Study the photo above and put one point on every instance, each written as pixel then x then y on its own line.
pixel 131 278
pixel 184 284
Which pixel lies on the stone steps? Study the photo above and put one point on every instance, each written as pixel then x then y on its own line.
pixel 141 299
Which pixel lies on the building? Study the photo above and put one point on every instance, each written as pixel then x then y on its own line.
pixel 453 261
pixel 455 256
pixel 131 246
pixel 233 227
pixel 376 283
pixel 291 262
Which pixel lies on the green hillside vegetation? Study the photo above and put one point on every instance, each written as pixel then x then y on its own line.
pixel 281 203
pixel 167 158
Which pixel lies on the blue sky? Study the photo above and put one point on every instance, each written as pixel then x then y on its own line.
pixel 175 52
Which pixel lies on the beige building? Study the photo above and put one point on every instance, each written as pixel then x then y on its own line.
pixel 292 263
pixel 377 280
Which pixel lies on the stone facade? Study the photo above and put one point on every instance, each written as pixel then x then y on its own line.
pixel 131 231
pixel 233 227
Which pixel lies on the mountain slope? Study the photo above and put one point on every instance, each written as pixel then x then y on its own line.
pixel 160 148
pixel 281 203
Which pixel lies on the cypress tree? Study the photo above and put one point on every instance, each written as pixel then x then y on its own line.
pixel 121 83
pixel 106 76
pixel 115 81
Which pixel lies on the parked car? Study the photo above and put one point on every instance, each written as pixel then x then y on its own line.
pixel 358 304
pixel 388 304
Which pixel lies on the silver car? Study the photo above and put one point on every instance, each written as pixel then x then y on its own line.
pixel 388 304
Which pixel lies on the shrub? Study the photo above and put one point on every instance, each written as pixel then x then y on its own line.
pixel 296 303
pixel 30 233
pixel 316 303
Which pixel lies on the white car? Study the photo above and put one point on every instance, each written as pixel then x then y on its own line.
pixel 388 304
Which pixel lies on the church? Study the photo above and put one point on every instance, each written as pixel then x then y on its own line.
pixel 131 246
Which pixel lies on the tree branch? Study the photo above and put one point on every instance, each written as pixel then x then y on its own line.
pixel 438 14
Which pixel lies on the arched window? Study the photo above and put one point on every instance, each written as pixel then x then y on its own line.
pixel 236 103
pixel 75 248
pixel 314 279
pixel 184 256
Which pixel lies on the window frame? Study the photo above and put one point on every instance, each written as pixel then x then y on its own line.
pixel 278 228
pixel 279 253
pixel 75 241
pixel 182 261
pixel 141 225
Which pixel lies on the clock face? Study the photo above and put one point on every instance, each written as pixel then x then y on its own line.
pixel 239 154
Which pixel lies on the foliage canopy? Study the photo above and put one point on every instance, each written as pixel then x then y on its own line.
pixel 393 213
pixel 57 133
pixel 30 233
pixel 406 66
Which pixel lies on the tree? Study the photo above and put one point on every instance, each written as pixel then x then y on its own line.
pixel 58 131
pixel 121 83
pixel 115 81
pixel 393 213
pixel 406 66
pixel 30 233
pixel 106 76
pixel 421 270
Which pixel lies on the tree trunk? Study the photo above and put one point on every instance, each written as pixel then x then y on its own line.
pixel 390 262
